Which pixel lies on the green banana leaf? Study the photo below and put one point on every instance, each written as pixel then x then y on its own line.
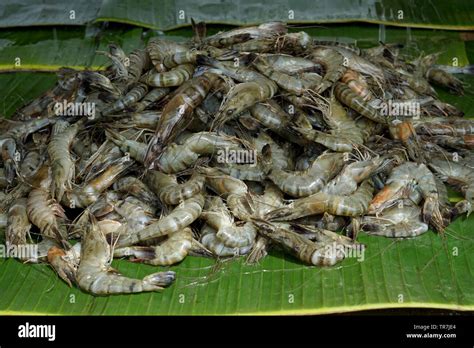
pixel 430 271
pixel 50 49
pixel 170 14
pixel 166 14
pixel 25 13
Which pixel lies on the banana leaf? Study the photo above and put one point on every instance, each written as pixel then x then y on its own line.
pixel 51 49
pixel 25 13
pixel 430 271
pixel 170 14
pixel 166 14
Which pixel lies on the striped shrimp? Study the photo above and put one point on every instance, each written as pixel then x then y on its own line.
pixel 135 187
pixel 82 196
pixel 46 213
pixel 270 115
pixel 169 191
pixel 95 275
pixel 18 225
pixel 333 63
pixel 352 205
pixel 169 252
pixel 158 48
pixel 458 174
pixel 178 113
pixel 347 180
pixel 153 96
pixel 216 246
pixel 177 158
pixel 357 83
pixel 312 253
pixel 350 98
pixel 289 64
pixel 137 92
pixel 399 221
pixel 293 84
pixel 219 218
pixel 182 216
pixel 139 61
pixel 175 77
pixel 310 181
pixel 399 182
pixel 62 165
pixel 231 37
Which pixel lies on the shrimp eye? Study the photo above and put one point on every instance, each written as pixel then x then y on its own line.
pixel 230 112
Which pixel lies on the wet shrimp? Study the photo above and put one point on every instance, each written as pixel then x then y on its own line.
pixel 182 216
pixel 62 164
pixel 310 181
pixel 396 187
pixel 169 191
pixel 96 276
pixel 352 205
pixel 172 251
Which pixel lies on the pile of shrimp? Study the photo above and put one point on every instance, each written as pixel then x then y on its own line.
pixel 229 145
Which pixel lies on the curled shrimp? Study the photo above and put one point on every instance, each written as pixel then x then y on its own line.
pixel 82 196
pixel 333 63
pixel 178 113
pixel 352 205
pixel 348 97
pixel 173 250
pixel 174 77
pixel 169 191
pixel 18 225
pixel 182 216
pixel 214 244
pixel 303 249
pixel 396 188
pixel 310 181
pixel 95 275
pixel 347 180
pixel 62 165
pixel 219 218
pixel 399 221
pixel 46 213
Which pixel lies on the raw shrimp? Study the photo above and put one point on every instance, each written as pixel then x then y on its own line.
pixel 18 224
pixel 220 219
pixel 396 188
pixel 351 99
pixel 95 275
pixel 211 242
pixel 352 205
pixel 399 221
pixel 347 180
pixel 173 250
pixel 333 63
pixel 182 216
pixel 174 77
pixel 169 191
pixel 62 165
pixel 304 250
pixel 310 181
pixel 134 186
pixel 178 113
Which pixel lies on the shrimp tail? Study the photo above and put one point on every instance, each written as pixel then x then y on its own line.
pixel 432 214
pixel 159 280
